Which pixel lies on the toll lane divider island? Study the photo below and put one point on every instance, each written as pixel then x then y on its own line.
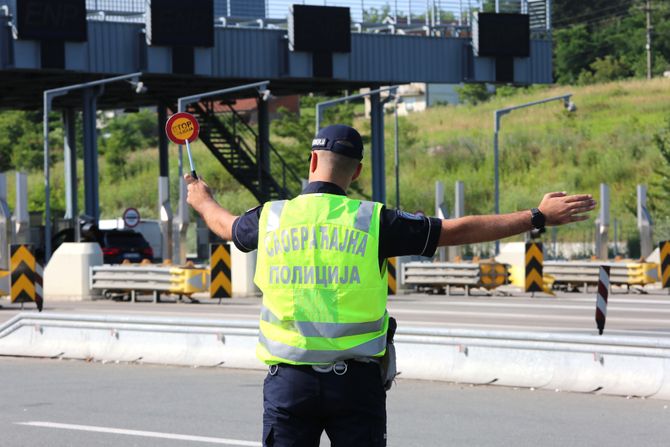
pixel 616 365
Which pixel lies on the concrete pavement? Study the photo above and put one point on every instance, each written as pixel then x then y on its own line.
pixel 568 312
pixel 77 404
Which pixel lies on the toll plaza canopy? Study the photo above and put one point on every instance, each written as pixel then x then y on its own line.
pixel 213 44
pixel 189 47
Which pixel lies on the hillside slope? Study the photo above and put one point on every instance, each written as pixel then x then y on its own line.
pixel 543 148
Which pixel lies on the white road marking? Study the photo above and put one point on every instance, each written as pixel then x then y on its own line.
pixel 523 316
pixel 665 305
pixel 525 328
pixel 146 434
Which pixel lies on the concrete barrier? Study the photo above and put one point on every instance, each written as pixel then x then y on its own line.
pixel 616 365
pixel 72 260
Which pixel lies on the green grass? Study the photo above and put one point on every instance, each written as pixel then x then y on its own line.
pixel 542 149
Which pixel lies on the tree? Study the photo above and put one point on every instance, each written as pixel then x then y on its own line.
pixel 605 69
pixel 610 34
pixel 659 194
pixel 473 93
pixel 574 51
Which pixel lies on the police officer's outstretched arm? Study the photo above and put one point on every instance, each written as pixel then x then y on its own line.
pixel 558 208
pixel 200 197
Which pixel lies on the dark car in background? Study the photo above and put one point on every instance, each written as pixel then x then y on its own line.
pixel 123 245
pixel 117 245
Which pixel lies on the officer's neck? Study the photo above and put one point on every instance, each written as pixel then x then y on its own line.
pixel 318 177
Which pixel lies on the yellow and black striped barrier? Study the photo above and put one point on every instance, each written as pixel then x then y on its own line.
pixel 534 260
pixel 392 275
pixel 25 283
pixel 664 249
pixel 220 282
pixel 493 274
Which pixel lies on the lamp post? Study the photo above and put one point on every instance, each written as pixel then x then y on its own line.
pixel 497 119
pixel 377 118
pixel 48 96
pixel 179 253
pixel 396 153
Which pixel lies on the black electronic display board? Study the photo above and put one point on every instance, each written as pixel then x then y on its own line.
pixel 63 20
pixel 181 23
pixel 320 29
pixel 501 34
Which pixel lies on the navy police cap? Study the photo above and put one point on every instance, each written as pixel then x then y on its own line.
pixel 341 139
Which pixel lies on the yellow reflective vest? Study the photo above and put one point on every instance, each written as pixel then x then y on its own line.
pixel 324 296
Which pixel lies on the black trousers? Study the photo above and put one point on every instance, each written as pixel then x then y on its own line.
pixel 300 403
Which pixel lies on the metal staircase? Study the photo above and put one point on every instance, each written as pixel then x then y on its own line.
pixel 233 142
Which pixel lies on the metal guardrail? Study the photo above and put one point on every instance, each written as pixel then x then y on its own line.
pixel 438 275
pixel 573 343
pixel 616 365
pixel 155 279
pixel 574 273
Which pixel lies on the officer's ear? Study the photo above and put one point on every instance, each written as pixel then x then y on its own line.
pixel 313 161
pixel 357 173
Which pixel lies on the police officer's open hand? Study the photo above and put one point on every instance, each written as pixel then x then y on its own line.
pixel 560 208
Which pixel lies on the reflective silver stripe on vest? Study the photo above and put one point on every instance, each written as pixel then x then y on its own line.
pixel 274 213
pixel 364 216
pixel 325 330
pixel 291 353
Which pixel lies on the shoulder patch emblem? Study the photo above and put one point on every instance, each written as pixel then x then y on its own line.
pixel 410 216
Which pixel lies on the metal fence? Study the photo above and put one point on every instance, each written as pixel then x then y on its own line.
pixel 367 14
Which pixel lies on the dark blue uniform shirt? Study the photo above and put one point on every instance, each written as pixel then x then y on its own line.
pixel 400 233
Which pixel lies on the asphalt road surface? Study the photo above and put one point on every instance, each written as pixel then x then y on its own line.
pixel 637 314
pixel 59 403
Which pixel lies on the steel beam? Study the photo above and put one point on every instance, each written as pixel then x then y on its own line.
pixel 91 172
pixel 377 152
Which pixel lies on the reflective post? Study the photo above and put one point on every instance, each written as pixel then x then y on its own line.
pixel 70 162
pixel 459 211
pixel 603 223
pixel 644 222
pixel 21 216
pixel 165 217
pixel 5 224
pixel 442 212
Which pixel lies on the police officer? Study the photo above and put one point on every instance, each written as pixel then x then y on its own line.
pixel 322 269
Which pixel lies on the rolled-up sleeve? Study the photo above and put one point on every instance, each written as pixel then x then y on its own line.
pixel 245 230
pixel 405 234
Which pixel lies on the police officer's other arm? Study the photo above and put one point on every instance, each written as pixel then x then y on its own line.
pixel 557 207
pixel 218 219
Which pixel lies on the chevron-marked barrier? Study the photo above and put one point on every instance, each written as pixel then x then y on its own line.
pixel 601 297
pixel 392 267
pixel 22 273
pixel 534 261
pixel 664 249
pixel 220 264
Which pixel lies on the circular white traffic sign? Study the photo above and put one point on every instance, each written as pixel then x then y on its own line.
pixel 131 217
